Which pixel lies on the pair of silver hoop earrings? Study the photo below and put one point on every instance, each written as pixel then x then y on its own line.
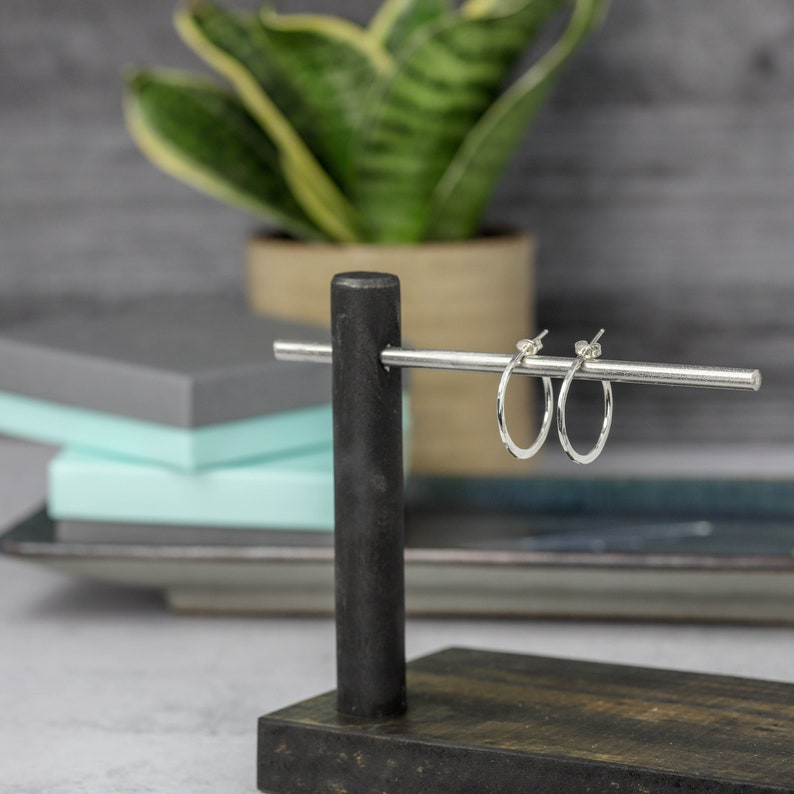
pixel 585 351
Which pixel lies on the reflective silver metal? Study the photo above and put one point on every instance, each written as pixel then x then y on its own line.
pixel 543 366
pixel 525 347
pixel 586 351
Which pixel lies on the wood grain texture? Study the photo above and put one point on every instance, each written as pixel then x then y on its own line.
pixel 660 183
pixel 492 722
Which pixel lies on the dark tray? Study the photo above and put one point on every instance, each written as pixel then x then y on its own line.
pixel 483 549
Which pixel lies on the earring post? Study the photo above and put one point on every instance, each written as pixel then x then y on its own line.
pixel 597 336
pixel 646 373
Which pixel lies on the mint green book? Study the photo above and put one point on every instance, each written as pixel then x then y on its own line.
pixel 286 493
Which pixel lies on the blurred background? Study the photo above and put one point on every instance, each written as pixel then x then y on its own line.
pixel 660 183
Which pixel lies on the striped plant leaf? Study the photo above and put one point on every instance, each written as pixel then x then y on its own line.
pixel 462 193
pixel 427 109
pixel 396 21
pixel 204 136
pixel 238 46
pixel 325 68
pixel 473 9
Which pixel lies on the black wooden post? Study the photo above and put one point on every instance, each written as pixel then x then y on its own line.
pixel 368 475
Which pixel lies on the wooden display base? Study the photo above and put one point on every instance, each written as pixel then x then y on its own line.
pixel 492 722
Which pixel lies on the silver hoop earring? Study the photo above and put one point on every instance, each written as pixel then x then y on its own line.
pixel 585 351
pixel 526 347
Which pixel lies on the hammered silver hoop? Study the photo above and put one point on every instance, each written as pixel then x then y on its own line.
pixel 586 351
pixel 526 347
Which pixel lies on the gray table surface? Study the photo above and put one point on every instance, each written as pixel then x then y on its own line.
pixel 103 691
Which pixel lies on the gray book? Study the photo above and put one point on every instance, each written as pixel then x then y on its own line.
pixel 186 363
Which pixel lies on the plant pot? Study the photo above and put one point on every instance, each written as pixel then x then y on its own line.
pixel 474 295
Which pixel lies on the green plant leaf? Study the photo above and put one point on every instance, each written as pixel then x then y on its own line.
pixel 462 193
pixel 440 89
pixel 204 136
pixel 238 46
pixel 326 67
pixel 396 21
pixel 473 9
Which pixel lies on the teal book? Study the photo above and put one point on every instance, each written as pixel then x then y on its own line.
pixel 293 492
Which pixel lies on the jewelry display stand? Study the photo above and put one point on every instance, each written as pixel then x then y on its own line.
pixel 477 721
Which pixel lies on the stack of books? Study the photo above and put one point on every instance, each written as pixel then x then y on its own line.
pixel 177 424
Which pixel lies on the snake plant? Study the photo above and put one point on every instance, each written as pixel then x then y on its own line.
pixel 392 133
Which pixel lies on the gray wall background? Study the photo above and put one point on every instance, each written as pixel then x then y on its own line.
pixel 660 182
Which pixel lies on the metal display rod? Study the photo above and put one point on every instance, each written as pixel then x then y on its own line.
pixel 542 366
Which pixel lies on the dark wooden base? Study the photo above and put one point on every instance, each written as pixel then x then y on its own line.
pixel 494 722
